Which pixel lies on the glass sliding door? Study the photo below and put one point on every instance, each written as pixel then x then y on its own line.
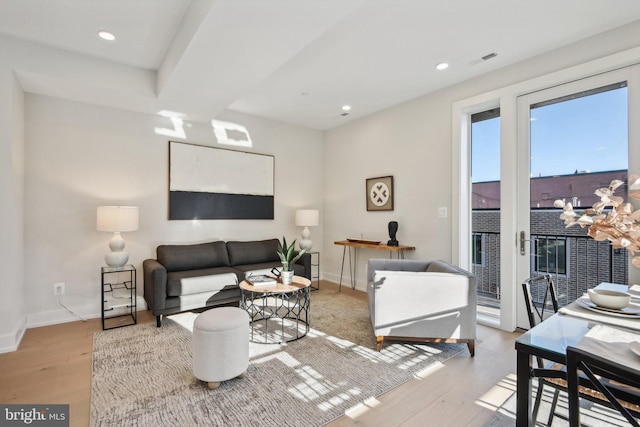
pixel 573 139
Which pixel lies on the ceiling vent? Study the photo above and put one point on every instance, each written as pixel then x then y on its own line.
pixel 484 58
pixel 489 56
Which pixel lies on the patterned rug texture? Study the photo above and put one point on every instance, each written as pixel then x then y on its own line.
pixel 142 375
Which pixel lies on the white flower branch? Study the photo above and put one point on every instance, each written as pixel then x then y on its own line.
pixel 621 225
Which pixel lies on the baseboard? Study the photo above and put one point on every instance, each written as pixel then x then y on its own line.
pixel 335 278
pixel 10 342
pixel 61 315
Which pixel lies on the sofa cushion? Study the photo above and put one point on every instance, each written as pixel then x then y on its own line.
pixel 193 257
pixel 225 296
pixel 181 283
pixel 254 252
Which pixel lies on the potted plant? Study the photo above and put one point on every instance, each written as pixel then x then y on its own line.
pixel 288 256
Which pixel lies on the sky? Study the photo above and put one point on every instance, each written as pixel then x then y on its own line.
pixel 589 133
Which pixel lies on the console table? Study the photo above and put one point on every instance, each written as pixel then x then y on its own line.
pixel 365 244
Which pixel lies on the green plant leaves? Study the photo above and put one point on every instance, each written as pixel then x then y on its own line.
pixel 286 254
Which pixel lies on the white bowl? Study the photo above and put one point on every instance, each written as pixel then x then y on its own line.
pixel 609 299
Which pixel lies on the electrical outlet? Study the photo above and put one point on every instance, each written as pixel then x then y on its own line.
pixel 442 212
pixel 58 288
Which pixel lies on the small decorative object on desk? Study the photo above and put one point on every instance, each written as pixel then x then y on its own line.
pixel 621 225
pixel 288 257
pixel 393 229
pixel 261 280
pixel 364 241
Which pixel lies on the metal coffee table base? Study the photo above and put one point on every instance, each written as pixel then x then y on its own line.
pixel 277 317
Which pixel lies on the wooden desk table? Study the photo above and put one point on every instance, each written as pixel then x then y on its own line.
pixel 365 244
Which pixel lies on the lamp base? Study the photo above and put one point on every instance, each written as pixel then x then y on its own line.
pixel 306 244
pixel 116 259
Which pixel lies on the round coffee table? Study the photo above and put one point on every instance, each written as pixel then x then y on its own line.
pixel 279 313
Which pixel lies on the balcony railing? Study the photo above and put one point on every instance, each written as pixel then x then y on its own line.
pixel 577 263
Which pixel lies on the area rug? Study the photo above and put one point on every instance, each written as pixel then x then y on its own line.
pixel 142 375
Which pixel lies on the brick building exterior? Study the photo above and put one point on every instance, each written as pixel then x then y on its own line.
pixel 577 261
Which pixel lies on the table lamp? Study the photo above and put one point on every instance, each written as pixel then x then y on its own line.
pixel 117 219
pixel 307 218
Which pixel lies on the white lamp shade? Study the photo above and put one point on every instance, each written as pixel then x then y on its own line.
pixel 307 218
pixel 117 218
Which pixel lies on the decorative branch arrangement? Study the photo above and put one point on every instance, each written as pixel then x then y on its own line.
pixel 620 225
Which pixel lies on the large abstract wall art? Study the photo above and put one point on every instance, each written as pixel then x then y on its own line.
pixel 214 183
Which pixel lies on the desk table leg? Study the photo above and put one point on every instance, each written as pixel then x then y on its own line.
pixel 352 267
pixel 344 249
pixel 523 390
pixel 400 254
pixel 352 271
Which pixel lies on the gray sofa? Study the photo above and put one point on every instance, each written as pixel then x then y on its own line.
pixel 187 277
pixel 415 300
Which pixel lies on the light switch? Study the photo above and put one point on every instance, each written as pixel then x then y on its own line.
pixel 442 212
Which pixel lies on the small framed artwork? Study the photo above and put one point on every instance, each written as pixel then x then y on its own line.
pixel 380 193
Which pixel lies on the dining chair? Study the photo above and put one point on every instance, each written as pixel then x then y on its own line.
pixel 618 384
pixel 539 308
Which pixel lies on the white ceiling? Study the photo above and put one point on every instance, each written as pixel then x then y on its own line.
pixel 295 61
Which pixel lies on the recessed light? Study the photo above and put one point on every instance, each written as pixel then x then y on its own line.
pixel 346 108
pixel 106 35
pixel 442 66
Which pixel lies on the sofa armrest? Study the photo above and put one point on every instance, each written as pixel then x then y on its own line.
pixel 305 260
pixel 155 284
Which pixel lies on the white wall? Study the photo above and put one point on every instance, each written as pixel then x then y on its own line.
pixel 12 306
pixel 80 156
pixel 413 142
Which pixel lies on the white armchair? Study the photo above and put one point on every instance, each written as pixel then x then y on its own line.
pixel 415 300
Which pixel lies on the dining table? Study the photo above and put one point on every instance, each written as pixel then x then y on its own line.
pixel 577 324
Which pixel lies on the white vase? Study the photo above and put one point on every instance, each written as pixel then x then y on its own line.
pixel 287 277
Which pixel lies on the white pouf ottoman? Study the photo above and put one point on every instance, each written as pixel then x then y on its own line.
pixel 220 345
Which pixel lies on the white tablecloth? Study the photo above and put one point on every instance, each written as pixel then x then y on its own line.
pixel 611 343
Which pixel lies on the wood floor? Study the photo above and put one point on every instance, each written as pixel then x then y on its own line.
pixel 53 366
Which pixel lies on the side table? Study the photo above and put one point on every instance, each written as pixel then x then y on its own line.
pixel 279 313
pixel 315 269
pixel 118 297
